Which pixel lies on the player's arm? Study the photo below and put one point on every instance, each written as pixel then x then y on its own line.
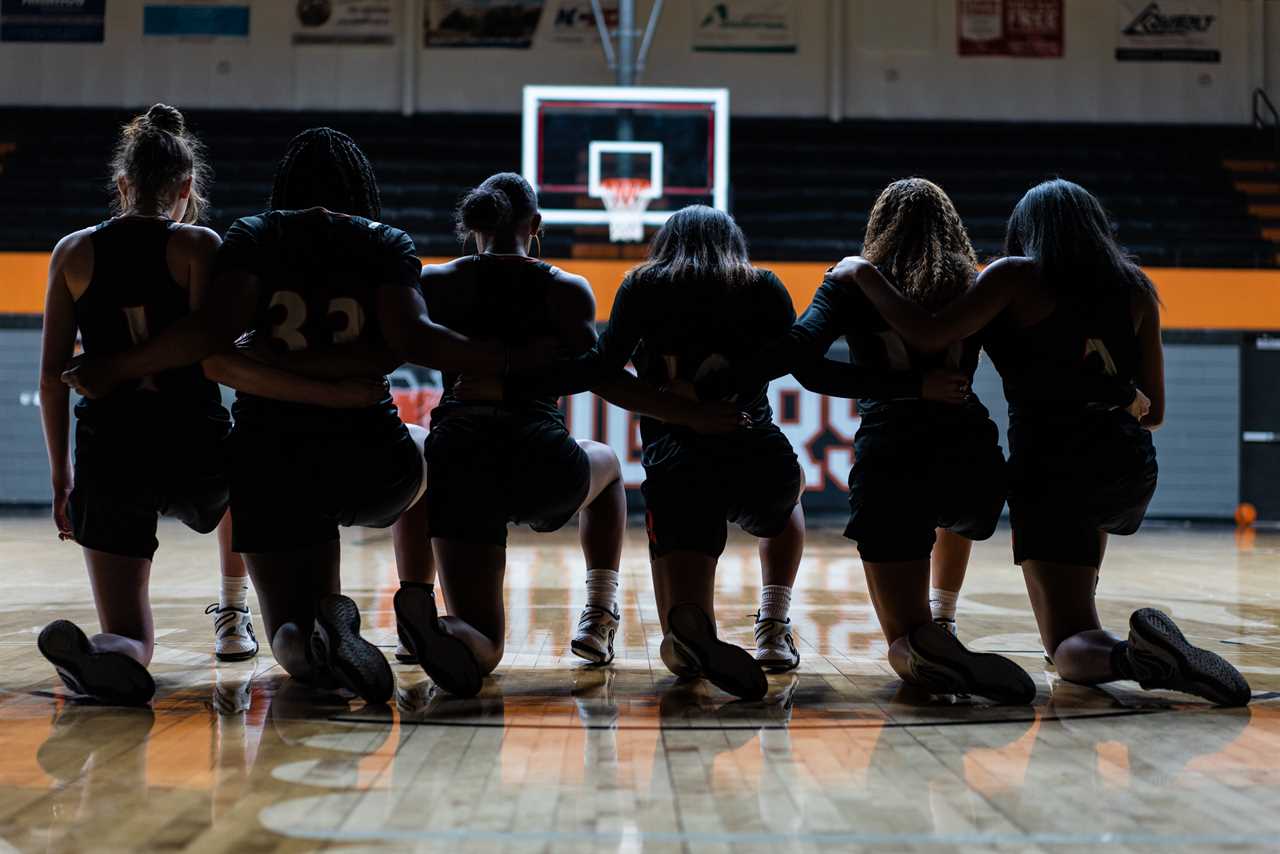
pixel 965 316
pixel 370 363
pixel 57 344
pixel 1151 358
pixel 601 364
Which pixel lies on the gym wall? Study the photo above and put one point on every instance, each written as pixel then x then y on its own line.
pixel 852 57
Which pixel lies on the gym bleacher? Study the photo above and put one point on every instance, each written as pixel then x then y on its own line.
pixel 1181 196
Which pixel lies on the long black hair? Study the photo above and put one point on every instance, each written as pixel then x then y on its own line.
pixel 1063 228
pixel 325 168
pixel 496 207
pixel 698 244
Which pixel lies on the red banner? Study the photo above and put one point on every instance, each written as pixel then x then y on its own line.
pixel 1030 28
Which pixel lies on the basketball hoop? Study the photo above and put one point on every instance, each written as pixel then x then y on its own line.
pixel 626 200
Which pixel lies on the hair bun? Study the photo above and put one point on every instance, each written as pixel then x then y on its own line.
pixel 166 118
pixel 486 210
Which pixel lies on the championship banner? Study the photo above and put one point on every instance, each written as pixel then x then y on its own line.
pixel 199 20
pixel 481 23
pixel 45 21
pixel 574 23
pixel 347 22
pixel 1169 31
pixel 744 26
pixel 1023 28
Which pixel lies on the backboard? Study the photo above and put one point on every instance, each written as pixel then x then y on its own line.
pixel 598 154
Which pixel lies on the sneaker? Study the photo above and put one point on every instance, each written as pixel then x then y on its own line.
pixel 111 677
pixel 775 647
pixel 447 660
pixel 404 655
pixel 948 625
pixel 233 637
pixel 730 668
pixel 596 631
pixel 1161 657
pixel 941 664
pixel 680 665
pixel 358 665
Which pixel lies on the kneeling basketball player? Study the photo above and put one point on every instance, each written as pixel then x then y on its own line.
pixel 332 292
pixel 494 461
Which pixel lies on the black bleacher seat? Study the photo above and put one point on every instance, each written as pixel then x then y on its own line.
pixel 801 189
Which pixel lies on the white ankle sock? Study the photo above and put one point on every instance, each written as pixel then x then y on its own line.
pixel 943 603
pixel 235 592
pixel 602 589
pixel 775 602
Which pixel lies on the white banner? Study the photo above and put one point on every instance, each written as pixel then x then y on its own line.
pixel 1169 31
pixel 746 26
pixel 574 23
pixel 347 22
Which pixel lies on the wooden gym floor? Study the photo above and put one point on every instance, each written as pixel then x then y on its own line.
pixel 558 757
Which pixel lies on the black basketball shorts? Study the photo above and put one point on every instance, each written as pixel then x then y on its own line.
pixel 916 472
pixel 696 485
pixel 488 467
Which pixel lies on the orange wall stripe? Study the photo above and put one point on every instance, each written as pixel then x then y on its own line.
pixel 1194 298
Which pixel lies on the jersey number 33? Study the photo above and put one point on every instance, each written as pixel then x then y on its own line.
pixel 343 321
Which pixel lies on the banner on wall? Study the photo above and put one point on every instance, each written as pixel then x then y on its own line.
pixel 199 20
pixel 1027 28
pixel 44 21
pixel 744 26
pixel 347 22
pixel 481 23
pixel 1169 31
pixel 574 25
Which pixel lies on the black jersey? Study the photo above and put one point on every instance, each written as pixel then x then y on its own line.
pixel 1093 339
pixel 131 297
pixel 493 296
pixel 676 332
pixel 318 275
pixel 891 366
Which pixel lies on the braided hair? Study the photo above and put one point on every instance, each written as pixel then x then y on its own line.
pixel 915 237
pixel 325 168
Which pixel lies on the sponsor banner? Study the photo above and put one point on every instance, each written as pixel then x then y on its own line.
pixel 573 24
pixel 1025 28
pixel 1169 31
pixel 744 26
pixel 52 20
pixel 481 23
pixel 820 429
pixel 199 20
pixel 347 22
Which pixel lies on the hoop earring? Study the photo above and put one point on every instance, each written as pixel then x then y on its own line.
pixel 538 241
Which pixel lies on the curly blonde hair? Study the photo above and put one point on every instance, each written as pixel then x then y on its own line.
pixel 915 237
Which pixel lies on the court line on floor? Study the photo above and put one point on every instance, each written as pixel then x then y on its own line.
pixel 764 838
pixel 868 724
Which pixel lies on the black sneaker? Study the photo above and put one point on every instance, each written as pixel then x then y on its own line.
pixel 730 668
pixel 447 660
pixel 1160 657
pixel 358 665
pixel 941 664
pixel 111 677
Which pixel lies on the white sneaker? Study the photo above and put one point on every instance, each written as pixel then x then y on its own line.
pixel 594 638
pixel 775 648
pixel 233 633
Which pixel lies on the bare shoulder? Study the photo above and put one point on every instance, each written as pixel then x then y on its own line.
pixel 1011 268
pixel 195 239
pixel 574 290
pixel 72 257
pixel 439 273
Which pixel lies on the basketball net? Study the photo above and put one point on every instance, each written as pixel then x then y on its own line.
pixel 625 201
